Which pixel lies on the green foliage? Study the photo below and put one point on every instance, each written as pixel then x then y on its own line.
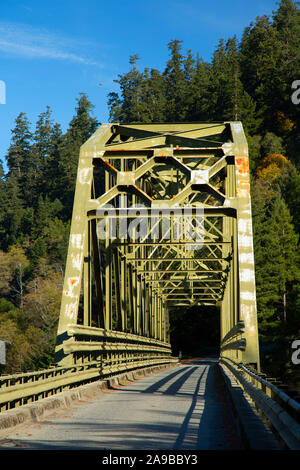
pixel 142 98
pixel 36 198
pixel 176 79
pixel 81 127
pixel 19 157
pixel 278 243
pixel 292 194
pixel 277 268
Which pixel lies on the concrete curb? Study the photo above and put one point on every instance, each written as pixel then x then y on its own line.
pixel 39 410
pixel 253 432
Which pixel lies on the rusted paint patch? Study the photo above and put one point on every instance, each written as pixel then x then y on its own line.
pixel 245 183
pixel 243 165
pixel 70 310
pixel 251 331
pixel 72 282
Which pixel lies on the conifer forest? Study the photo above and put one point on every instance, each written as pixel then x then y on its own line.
pixel 248 79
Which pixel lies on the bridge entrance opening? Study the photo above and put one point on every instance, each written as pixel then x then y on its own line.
pixel 195 331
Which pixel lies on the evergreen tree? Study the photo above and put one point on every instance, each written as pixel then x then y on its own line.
pixel 199 98
pixel 230 100
pixel 114 106
pixel 276 259
pixel 83 124
pixel 260 49
pixel 14 204
pixel 81 127
pixel 142 96
pixel 46 141
pixel 130 107
pixel 286 20
pixel 19 152
pixel 2 200
pixel 262 197
pixel 282 243
pixel 49 182
pixel 40 153
pixel 292 196
pixel 189 70
pixel 19 157
pixel 153 97
pixel 175 80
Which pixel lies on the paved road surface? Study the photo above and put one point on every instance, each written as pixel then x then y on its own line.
pixel 176 409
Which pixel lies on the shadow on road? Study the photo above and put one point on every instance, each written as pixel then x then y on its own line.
pixel 185 409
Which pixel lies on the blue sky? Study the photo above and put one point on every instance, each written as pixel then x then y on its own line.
pixel 50 51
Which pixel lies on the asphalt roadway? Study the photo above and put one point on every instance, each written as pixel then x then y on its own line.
pixel 181 408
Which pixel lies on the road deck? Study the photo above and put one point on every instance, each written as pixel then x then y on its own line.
pixel 182 408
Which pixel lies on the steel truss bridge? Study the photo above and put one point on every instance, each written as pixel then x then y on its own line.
pixel 161 219
pixel 175 228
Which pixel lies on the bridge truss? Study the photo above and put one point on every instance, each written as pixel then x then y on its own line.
pixel 161 219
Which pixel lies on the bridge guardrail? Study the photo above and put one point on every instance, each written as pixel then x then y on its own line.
pixel 103 353
pixel 33 386
pixel 233 340
pixel 280 411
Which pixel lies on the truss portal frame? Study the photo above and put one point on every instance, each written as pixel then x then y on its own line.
pixel 161 219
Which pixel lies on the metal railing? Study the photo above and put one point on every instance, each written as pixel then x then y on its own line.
pixel 233 340
pixel 105 353
pixel 280 411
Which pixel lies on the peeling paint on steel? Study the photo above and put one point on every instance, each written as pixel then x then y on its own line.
pixel 247 295
pixel 70 310
pixel 245 240
pixel 77 260
pixel 199 176
pixel 84 176
pixel 77 241
pixel 245 226
pixel 247 275
pixel 246 258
